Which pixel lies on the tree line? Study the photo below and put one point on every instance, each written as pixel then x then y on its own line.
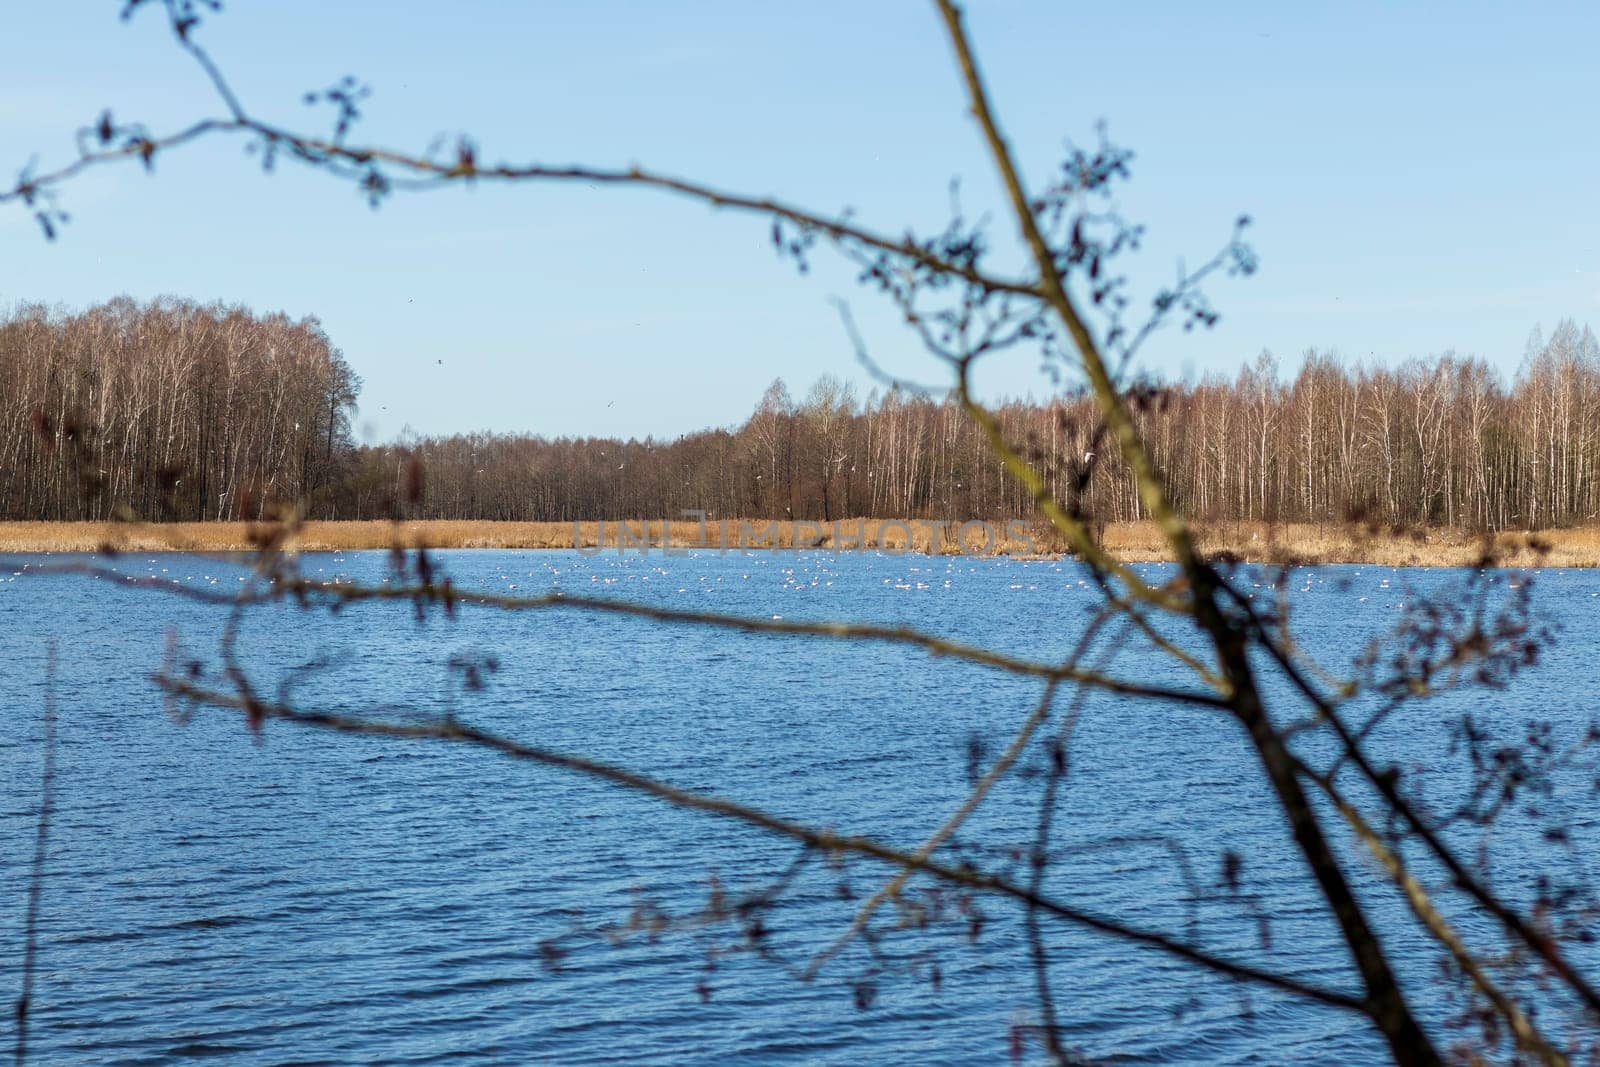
pixel 176 410
pixel 170 410
pixel 1443 441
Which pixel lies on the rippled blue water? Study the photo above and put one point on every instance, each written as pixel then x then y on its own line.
pixel 329 899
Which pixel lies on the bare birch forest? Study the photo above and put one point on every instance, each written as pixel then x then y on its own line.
pixel 179 411
pixel 171 410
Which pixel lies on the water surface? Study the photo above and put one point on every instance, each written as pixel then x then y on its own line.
pixel 314 898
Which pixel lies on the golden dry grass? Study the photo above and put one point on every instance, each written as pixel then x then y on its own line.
pixel 1132 542
pixel 1348 543
pixel 924 536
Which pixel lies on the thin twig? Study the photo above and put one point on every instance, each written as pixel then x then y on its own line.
pixel 1060 763
pixel 47 799
pixel 1545 947
pixel 951 824
pixel 1526 1033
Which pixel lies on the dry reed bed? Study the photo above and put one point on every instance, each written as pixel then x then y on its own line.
pixel 1133 542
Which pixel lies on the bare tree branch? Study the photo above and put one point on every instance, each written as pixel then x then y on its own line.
pixel 453 730
pixel 47 800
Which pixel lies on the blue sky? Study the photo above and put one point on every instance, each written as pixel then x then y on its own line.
pixel 1423 177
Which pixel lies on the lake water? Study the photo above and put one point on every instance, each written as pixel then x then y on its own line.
pixel 329 899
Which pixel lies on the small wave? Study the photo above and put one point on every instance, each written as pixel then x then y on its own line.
pixel 195 1050
pixel 101 937
pixel 210 922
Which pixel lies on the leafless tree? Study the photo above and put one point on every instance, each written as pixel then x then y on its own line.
pixel 1511 962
